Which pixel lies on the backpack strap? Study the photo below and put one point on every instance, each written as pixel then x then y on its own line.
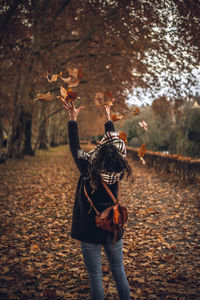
pixel 90 201
pixel 110 193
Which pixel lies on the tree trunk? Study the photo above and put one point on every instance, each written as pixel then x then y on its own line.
pixel 42 136
pixel 28 133
pixel 43 140
pixel 16 134
pixel 19 140
pixel 52 131
pixel 1 133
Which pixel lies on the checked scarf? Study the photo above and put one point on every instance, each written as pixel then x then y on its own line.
pixel 111 137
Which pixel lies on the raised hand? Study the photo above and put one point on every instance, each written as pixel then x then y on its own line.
pixel 72 110
pixel 106 111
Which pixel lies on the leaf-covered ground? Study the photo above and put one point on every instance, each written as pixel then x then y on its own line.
pixel 39 260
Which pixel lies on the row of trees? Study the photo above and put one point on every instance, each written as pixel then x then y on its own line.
pixel 172 127
pixel 119 45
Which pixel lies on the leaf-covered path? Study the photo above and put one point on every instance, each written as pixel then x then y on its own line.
pixel 39 260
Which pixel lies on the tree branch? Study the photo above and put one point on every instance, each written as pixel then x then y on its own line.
pixel 10 13
pixel 60 10
pixel 8 16
pixel 87 37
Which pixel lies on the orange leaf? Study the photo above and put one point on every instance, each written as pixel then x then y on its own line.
pixel 63 92
pixel 80 73
pixel 116 117
pixel 34 248
pixel 122 136
pixel 142 150
pixel 135 111
pixel 104 98
pixel 44 97
pixel 71 96
pixel 67 95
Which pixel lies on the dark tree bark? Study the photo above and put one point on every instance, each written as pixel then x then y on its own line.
pixel 28 133
pixel 1 133
pixel 16 134
pixel 43 140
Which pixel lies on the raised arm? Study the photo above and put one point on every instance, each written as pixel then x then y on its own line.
pixel 73 127
pixel 74 136
pixel 109 126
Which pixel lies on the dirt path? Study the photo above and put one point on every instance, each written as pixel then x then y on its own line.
pixel 39 260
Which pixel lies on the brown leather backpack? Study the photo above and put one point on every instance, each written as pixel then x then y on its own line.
pixel 113 218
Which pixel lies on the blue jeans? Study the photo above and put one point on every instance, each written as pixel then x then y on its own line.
pixel 92 259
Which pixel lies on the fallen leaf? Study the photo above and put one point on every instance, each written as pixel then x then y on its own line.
pixel 5 270
pixel 34 248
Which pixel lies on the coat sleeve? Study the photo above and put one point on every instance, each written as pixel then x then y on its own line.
pixel 109 126
pixel 74 144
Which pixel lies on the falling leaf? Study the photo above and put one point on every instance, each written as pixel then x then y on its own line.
pixel 53 78
pixel 135 111
pixel 73 83
pixel 143 124
pixel 99 98
pixel 142 150
pixel 66 80
pixel 122 135
pixel 104 98
pixel 142 160
pixel 71 96
pixel 116 117
pixel 74 77
pixel 63 92
pixel 67 95
pixel 44 97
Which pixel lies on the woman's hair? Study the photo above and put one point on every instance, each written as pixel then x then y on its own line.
pixel 108 159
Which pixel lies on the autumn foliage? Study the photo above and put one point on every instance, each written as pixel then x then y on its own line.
pixel 39 260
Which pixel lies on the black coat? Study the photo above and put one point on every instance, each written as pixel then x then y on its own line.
pixel 83 223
